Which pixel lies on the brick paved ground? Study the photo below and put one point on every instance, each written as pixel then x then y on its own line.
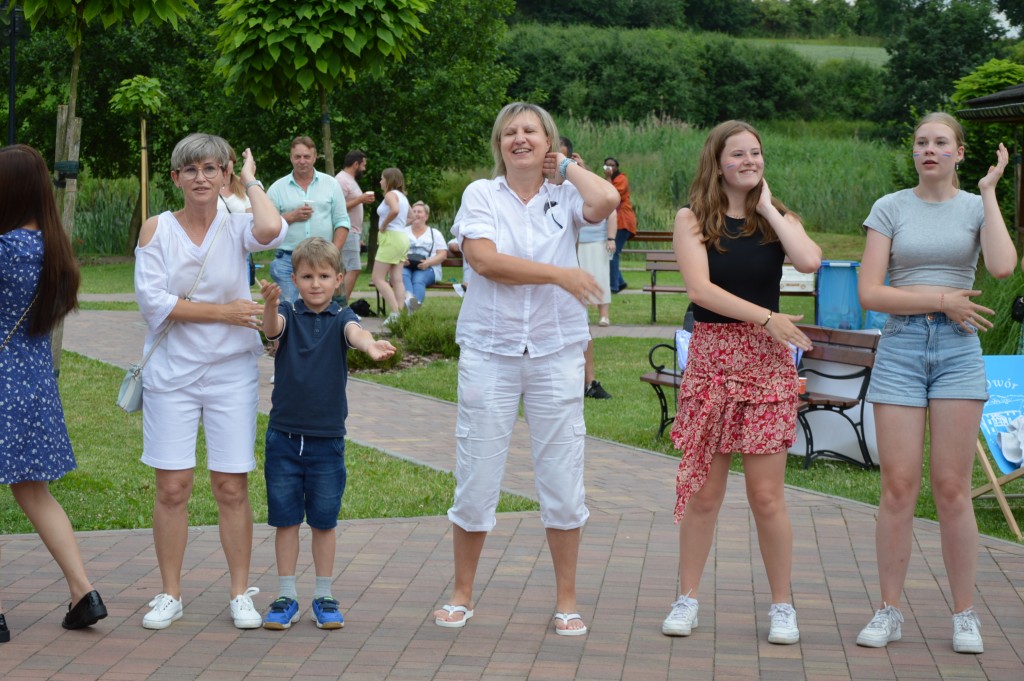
pixel 392 573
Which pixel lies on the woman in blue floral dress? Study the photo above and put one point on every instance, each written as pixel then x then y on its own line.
pixel 38 287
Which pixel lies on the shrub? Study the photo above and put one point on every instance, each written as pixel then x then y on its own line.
pixel 360 361
pixel 431 331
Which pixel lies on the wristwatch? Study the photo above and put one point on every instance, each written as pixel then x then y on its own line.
pixel 254 183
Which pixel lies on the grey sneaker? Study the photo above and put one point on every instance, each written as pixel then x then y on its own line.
pixel 967 632
pixel 683 617
pixel 783 630
pixel 883 628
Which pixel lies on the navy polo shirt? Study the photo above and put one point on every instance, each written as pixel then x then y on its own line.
pixel 311 371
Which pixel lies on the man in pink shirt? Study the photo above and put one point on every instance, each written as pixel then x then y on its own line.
pixel 355 166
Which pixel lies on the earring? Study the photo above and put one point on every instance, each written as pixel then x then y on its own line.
pixel 957 167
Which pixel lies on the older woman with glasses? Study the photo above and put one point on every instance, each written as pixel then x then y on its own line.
pixel 193 292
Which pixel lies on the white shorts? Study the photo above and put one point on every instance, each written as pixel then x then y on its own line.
pixel 490 387
pixel 224 397
pixel 594 258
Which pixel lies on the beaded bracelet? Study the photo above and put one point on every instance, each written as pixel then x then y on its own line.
pixel 563 167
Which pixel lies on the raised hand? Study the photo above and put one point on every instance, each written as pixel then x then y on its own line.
pixel 995 172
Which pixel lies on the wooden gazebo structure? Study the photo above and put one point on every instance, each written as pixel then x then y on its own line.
pixel 1005 106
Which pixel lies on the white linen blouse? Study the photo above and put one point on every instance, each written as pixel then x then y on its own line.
pixel 508 319
pixel 165 270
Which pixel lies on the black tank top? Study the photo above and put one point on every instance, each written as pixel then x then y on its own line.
pixel 748 269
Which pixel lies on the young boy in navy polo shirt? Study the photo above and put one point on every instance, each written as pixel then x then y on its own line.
pixel 305 447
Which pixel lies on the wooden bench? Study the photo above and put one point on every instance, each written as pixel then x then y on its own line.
pixel 830 345
pixel 648 236
pixel 663 376
pixel 443 284
pixel 844 347
pixel 793 283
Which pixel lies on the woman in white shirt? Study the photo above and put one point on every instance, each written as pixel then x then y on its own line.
pixel 522 331
pixel 205 367
pixel 427 250
pixel 392 241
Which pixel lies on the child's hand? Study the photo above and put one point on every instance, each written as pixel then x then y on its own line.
pixel 380 350
pixel 271 292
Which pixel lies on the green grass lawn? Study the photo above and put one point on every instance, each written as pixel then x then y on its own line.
pixel 629 418
pixel 825 50
pixel 112 489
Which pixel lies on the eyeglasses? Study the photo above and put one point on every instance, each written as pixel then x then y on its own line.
pixel 210 171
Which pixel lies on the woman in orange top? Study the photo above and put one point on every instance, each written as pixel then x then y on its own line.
pixel 626 218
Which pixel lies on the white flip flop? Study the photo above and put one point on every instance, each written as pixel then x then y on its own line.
pixel 567 617
pixel 451 610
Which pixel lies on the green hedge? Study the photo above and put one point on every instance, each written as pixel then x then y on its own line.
pixel 701 78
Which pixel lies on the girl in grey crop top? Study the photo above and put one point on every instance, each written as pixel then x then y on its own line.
pixel 928 366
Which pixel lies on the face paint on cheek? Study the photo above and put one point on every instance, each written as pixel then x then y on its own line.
pixel 917 154
pixel 730 166
pixel 947 154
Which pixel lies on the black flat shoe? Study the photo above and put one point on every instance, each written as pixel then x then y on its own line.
pixel 5 633
pixel 86 612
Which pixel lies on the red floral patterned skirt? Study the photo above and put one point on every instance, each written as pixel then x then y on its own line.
pixel 739 394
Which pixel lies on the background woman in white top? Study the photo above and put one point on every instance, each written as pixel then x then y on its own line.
pixel 521 332
pixel 427 250
pixel 233 199
pixel 392 241
pixel 205 369
pixel 929 365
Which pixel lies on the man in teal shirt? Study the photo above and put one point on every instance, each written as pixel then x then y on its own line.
pixel 312 204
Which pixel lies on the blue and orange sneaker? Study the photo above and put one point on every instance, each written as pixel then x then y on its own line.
pixel 282 614
pixel 326 613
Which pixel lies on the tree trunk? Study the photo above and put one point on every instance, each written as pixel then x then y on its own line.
pixel 325 125
pixel 69 137
pixel 68 145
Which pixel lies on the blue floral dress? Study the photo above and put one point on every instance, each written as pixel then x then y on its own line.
pixel 34 442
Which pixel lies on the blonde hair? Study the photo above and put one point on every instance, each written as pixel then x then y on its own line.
pixel 393 179
pixel 505 116
pixel 943 118
pixel 234 182
pixel 315 252
pixel 707 199
pixel 426 208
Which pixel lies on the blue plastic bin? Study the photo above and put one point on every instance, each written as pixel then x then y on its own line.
pixel 838 304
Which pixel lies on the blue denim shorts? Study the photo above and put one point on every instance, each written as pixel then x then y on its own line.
pixel 925 357
pixel 305 478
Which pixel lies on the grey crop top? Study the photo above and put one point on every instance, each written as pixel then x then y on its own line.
pixel 932 243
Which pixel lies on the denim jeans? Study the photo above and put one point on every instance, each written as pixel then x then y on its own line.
pixel 417 281
pixel 615 280
pixel 281 273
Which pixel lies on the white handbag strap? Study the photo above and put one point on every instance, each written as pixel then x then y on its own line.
pixel 188 296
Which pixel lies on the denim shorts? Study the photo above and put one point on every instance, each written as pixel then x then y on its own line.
pixel 305 477
pixel 925 357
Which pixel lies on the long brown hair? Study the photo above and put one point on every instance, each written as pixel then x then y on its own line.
pixel 707 199
pixel 26 198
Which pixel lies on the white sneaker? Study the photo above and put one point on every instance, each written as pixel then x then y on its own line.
pixel 783 630
pixel 243 611
pixel 411 304
pixel 683 617
pixel 967 632
pixel 883 628
pixel 165 609
pixel 389 320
